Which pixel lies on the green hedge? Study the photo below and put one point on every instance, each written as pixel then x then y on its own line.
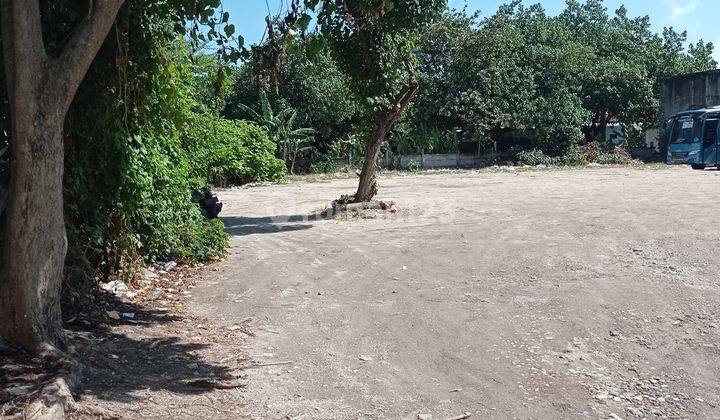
pixel 128 181
pixel 225 152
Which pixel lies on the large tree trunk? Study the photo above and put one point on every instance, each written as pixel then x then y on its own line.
pixel 35 241
pixel 40 91
pixel 382 124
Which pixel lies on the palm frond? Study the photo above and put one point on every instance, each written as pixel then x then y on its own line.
pixel 266 108
pixel 254 115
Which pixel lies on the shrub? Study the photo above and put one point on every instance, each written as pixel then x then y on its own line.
pixel 413 166
pixel 536 157
pixel 327 162
pixel 618 156
pixel 595 153
pixel 574 157
pixel 128 180
pixel 228 152
pixel 591 151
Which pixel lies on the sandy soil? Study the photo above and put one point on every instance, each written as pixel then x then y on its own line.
pixel 589 293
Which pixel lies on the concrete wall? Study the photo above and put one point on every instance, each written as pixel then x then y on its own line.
pixel 440 161
pixel 691 91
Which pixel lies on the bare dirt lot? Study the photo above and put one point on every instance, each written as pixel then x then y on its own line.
pixel 555 294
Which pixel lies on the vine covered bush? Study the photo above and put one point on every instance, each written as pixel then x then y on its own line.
pixel 143 136
pixel 128 179
pixel 139 143
pixel 230 152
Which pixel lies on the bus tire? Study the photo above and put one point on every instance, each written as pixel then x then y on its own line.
pixel 698 167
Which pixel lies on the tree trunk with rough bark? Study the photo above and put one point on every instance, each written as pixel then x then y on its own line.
pixel 383 121
pixel 40 91
pixel 367 187
pixel 35 238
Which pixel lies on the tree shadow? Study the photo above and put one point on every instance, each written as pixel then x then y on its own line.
pixel 118 365
pixel 242 226
pixel 153 351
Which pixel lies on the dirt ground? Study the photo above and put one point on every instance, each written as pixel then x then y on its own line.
pixel 589 293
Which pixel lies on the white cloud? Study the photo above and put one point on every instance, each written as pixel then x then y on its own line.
pixel 680 8
pixel 716 54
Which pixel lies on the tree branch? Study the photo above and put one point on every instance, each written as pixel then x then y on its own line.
pixel 82 47
pixel 404 98
pixel 23 47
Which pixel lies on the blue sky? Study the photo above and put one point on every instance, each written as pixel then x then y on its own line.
pixel 701 18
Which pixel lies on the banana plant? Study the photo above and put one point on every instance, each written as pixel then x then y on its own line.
pixel 290 141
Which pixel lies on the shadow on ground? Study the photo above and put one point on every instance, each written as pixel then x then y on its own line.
pixel 121 362
pixel 241 226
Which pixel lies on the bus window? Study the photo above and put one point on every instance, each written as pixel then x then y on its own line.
pixel 710 133
pixel 686 130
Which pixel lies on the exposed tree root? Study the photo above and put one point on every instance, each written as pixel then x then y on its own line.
pixel 55 399
pixel 347 203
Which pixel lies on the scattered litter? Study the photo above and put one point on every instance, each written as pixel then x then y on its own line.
pixel 148 274
pixel 424 416
pixel 393 208
pixel 365 358
pixel 113 315
pixel 128 315
pixel 456 390
pixel 170 266
pixel 116 286
pixel 131 295
pixel 152 296
pixel 404 267
pixel 461 417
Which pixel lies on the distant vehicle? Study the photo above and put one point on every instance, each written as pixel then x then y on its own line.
pixel 693 138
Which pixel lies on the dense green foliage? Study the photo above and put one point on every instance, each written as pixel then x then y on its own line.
pixel 313 86
pixel 128 175
pixel 280 126
pixel 226 152
pixel 517 80
pixel 374 41
pixel 593 152
pixel 143 134
pixel 545 79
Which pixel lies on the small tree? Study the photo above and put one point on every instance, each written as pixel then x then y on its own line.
pixel 375 42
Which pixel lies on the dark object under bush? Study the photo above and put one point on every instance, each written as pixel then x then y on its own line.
pixel 210 205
